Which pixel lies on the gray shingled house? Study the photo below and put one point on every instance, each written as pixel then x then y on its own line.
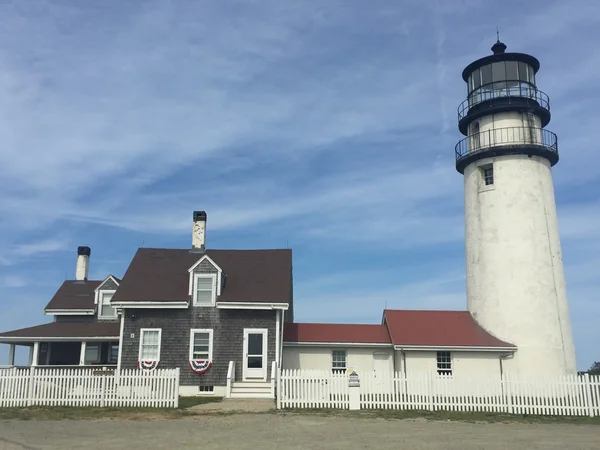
pixel 212 313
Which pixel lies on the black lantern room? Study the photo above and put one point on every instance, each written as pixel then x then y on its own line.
pixel 503 82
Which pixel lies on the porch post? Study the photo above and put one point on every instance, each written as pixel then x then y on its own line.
pixel 34 354
pixel 11 354
pixel 82 354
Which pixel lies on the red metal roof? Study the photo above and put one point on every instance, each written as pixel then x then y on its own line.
pixel 438 328
pixel 334 332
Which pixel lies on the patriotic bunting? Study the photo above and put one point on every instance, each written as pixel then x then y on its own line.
pixel 147 366
pixel 200 365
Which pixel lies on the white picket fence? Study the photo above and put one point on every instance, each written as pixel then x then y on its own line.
pixel 577 395
pixel 87 387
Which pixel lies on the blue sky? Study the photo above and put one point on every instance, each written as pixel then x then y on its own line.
pixel 327 127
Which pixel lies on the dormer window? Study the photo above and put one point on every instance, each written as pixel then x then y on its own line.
pixel 105 309
pixel 205 288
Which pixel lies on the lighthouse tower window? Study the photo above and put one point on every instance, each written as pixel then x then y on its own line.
pixel 488 175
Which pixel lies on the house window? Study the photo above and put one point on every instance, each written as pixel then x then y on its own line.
pixel 201 343
pixel 338 361
pixel 488 175
pixel 204 289
pixel 206 389
pixel 444 363
pixel 113 352
pixel 92 353
pixel 106 309
pixel 150 344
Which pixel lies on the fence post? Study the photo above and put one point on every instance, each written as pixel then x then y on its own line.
pixel 429 384
pixel 177 387
pixel 102 390
pixel 588 394
pixel 278 388
pixel 506 383
pixel 354 391
pixel 30 387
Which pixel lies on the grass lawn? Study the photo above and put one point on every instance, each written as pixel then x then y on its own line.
pixel 68 412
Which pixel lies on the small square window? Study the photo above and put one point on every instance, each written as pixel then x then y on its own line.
pixel 444 363
pixel 338 361
pixel 488 175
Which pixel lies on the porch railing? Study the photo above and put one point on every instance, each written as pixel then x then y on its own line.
pixel 230 377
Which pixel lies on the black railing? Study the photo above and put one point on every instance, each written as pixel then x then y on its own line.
pixel 506 137
pixel 518 93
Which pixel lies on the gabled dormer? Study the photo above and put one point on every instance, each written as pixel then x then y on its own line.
pixel 103 295
pixel 205 282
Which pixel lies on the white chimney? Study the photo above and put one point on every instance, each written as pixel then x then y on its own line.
pixel 83 263
pixel 199 230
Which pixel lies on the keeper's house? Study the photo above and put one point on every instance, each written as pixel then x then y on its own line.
pixel 229 313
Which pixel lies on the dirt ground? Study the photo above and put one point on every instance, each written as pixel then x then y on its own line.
pixel 291 431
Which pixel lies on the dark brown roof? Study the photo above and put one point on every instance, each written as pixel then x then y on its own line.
pixel 334 332
pixel 251 275
pixel 74 295
pixel 438 328
pixel 65 330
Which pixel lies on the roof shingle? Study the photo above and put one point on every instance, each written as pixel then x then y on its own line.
pixel 66 330
pixel 438 328
pixel 334 333
pixel 74 294
pixel 251 275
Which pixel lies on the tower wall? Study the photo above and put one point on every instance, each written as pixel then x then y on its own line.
pixel 515 277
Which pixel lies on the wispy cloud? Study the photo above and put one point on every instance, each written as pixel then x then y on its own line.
pixel 322 124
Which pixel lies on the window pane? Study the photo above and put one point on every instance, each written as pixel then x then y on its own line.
pixel 255 344
pixel 114 353
pixel 150 352
pixel 108 310
pixel 523 72
pixel 92 352
pixel 476 79
pixel 201 348
pixel 531 75
pixel 204 296
pixel 486 74
pixel 511 70
pixel 150 337
pixel 255 362
pixel 106 298
pixel 204 283
pixel 499 71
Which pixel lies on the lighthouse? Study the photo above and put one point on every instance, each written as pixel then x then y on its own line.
pixel 516 286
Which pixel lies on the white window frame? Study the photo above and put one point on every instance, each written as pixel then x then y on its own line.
pixel 437 363
pixel 142 331
pixel 193 331
pixel 101 295
pixel 339 369
pixel 213 277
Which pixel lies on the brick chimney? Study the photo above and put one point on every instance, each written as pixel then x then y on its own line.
pixel 199 231
pixel 83 263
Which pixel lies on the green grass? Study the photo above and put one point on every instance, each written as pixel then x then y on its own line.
pixel 472 417
pixel 74 412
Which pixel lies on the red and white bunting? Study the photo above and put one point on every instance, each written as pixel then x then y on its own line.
pixel 200 365
pixel 147 366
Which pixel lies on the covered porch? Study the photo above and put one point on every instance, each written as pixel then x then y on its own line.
pixel 66 344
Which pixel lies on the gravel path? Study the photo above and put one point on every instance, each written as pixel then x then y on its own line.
pixel 289 431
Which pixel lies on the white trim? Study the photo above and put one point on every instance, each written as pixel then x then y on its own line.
pixel 251 305
pixel 338 344
pixel 120 340
pixel 213 299
pixel 82 353
pixel 142 340
pixel 277 324
pixel 247 371
pixel 210 345
pixel 215 265
pixel 61 338
pixel 458 348
pixel 102 293
pixel 152 305
pixel 105 280
pixel 69 312
pixel 197 263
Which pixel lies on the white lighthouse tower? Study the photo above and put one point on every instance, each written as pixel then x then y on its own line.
pixel 515 278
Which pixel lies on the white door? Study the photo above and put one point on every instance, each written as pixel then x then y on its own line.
pixel 255 354
pixel 382 366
